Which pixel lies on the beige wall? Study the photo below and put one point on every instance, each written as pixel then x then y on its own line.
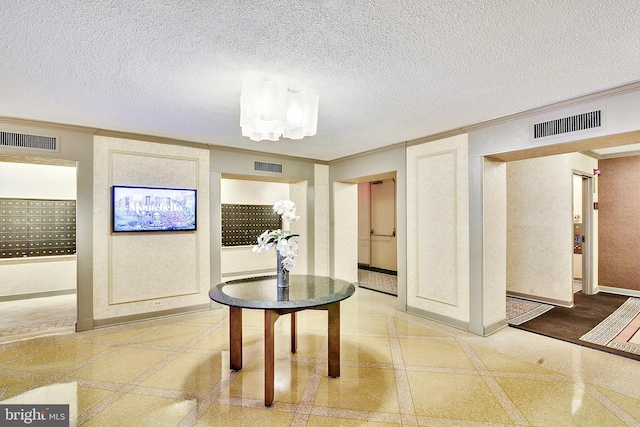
pixel 345 206
pixel 438 230
pixel 244 191
pixel 494 263
pixel 321 213
pixel 42 275
pixel 37 181
pixel 364 223
pixel 540 226
pixel 37 277
pixel 298 194
pixel 137 273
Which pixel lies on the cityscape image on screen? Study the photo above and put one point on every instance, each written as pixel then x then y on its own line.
pixel 153 209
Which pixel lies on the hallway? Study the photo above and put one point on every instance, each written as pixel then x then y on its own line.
pixel 397 369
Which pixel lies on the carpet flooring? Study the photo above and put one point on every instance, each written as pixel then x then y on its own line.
pixel 521 310
pixel 377 281
pixel 620 329
pixel 569 324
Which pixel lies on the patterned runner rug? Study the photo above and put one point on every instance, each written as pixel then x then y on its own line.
pixel 520 310
pixel 621 330
pixel 381 282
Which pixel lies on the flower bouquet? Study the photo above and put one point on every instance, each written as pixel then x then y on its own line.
pixel 284 241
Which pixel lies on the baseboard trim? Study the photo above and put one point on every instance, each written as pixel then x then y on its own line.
pixel 37 295
pixel 619 291
pixel 495 327
pixel 250 273
pixel 560 303
pixel 84 325
pixel 112 321
pixel 377 270
pixel 445 320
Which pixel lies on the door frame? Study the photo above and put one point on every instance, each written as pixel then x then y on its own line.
pixel 588 287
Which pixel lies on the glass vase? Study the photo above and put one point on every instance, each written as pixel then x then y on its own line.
pixel 282 273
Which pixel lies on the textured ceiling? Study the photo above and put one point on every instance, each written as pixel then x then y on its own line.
pixel 386 71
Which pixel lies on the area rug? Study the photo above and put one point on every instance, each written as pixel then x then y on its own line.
pixel 569 324
pixel 375 281
pixel 520 310
pixel 620 329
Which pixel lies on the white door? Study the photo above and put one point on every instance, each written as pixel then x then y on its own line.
pixel 384 247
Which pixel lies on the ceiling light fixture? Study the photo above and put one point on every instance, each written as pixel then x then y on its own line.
pixel 268 110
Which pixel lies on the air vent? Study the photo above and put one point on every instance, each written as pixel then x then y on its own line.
pixel 267 167
pixel 20 140
pixel 568 124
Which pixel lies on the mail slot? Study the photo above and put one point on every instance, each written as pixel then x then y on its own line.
pixel 37 227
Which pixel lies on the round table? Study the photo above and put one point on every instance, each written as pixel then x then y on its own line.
pixel 262 293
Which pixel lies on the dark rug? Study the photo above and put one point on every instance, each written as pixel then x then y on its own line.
pixel 569 324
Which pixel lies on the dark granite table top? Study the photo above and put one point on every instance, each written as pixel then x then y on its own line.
pixel 263 293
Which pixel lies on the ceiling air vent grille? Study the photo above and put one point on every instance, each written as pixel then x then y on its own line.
pixel 20 140
pixel 568 124
pixel 267 167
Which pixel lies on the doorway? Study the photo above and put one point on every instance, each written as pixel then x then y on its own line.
pixel 377 235
pixel 38 237
pixel 583 233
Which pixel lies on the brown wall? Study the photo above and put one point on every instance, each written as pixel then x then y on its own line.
pixel 619 226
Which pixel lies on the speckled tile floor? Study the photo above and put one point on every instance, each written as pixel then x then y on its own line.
pixel 37 316
pixel 396 369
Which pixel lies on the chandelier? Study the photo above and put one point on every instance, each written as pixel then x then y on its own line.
pixel 268 110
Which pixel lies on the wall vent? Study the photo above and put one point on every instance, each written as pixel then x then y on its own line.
pixel 21 140
pixel 267 167
pixel 568 124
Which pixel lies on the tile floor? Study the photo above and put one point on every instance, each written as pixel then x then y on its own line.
pixel 37 317
pixel 397 369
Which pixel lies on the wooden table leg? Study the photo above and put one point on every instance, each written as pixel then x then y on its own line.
pixel 235 337
pixel 294 333
pixel 270 318
pixel 334 339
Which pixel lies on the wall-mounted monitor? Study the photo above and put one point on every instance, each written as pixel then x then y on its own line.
pixel 153 209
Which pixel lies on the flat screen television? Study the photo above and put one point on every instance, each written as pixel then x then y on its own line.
pixel 153 209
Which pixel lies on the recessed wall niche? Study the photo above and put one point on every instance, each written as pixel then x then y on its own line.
pixel 37 227
pixel 242 224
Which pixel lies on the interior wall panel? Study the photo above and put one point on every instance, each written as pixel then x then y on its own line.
pixel 539 228
pixel 139 273
pixel 437 233
pixel 438 230
pixel 345 233
pixel 494 241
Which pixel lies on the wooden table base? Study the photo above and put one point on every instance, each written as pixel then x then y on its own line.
pixel 270 317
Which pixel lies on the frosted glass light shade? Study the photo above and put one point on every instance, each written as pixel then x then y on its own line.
pixel 302 115
pixel 263 108
pixel 268 111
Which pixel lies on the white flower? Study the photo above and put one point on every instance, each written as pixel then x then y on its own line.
pixel 286 209
pixel 290 215
pixel 289 263
pixel 285 242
